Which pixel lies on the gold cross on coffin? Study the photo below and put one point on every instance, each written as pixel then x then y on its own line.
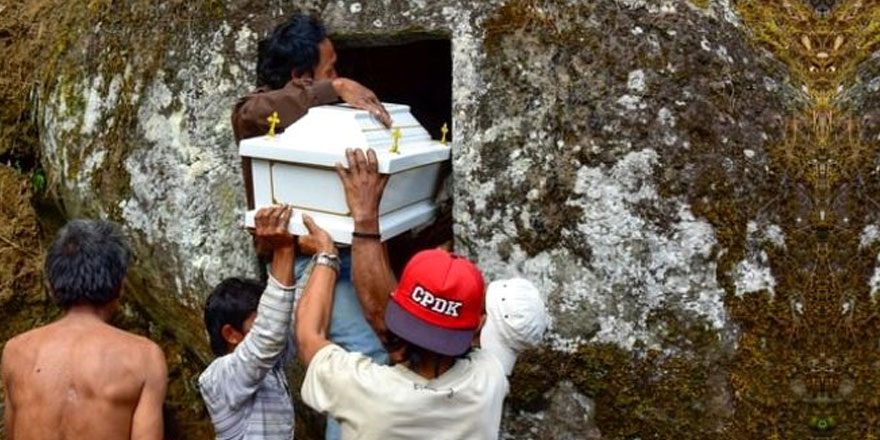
pixel 273 120
pixel 395 139
pixel 444 129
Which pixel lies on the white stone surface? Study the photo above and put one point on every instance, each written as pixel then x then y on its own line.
pixel 636 268
pixel 185 186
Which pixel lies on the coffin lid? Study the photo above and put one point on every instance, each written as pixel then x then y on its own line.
pixel 321 136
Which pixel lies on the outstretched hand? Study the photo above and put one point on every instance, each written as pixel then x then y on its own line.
pixel 361 97
pixel 363 184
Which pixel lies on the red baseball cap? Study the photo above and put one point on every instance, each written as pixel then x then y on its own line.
pixel 438 303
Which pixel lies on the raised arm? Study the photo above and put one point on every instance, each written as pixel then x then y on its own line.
pixel 250 117
pixel 291 102
pixel 147 421
pixel 313 311
pixel 372 276
pixel 259 350
pixel 236 377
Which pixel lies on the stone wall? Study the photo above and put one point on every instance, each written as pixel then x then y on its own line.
pixel 654 165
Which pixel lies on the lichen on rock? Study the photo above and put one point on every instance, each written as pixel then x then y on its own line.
pixel 689 180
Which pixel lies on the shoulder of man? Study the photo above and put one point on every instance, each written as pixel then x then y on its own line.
pixel 335 367
pixel 485 360
pixel 488 370
pixel 132 341
pixel 12 350
pixel 334 375
pixel 151 350
pixel 138 349
pixel 219 379
pixel 14 344
pixel 20 345
pixel 153 356
pixel 332 353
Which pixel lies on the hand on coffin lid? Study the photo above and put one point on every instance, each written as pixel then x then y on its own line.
pixel 358 96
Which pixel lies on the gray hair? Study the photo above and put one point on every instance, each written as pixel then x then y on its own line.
pixel 87 263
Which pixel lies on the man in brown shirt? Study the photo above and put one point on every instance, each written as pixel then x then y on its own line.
pixel 296 70
pixel 79 377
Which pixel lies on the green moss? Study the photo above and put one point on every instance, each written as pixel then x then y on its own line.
pixel 654 396
pixel 803 366
pixel 55 50
pixel 59 49
pixel 24 303
pixel 794 358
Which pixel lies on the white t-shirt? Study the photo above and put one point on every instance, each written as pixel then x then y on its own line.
pixel 373 401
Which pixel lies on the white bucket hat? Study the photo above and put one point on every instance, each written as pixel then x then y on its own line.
pixel 516 319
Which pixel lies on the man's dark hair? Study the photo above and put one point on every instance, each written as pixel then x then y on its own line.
pixel 86 263
pixel 292 46
pixel 231 302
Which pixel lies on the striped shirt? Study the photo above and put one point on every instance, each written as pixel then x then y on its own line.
pixel 245 391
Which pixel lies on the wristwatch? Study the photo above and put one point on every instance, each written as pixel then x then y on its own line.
pixel 329 260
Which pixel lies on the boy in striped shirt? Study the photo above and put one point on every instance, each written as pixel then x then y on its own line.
pixel 249 326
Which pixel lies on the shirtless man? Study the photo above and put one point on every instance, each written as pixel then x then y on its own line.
pixel 79 377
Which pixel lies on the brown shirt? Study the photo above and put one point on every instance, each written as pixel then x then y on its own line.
pixel 251 113
pixel 249 119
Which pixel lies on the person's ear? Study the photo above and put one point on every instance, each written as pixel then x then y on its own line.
pixel 231 335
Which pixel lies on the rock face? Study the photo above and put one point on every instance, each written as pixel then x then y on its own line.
pixel 19 257
pixel 637 159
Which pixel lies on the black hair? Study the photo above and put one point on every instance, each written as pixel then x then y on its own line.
pixel 292 46
pixel 231 302
pixel 86 263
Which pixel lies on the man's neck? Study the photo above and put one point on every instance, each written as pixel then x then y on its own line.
pixel 89 312
pixel 433 366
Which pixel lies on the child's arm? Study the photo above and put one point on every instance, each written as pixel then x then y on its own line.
pixel 234 378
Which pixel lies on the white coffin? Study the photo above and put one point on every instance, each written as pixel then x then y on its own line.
pixel 297 168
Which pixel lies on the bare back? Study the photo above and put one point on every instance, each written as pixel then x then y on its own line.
pixel 79 378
